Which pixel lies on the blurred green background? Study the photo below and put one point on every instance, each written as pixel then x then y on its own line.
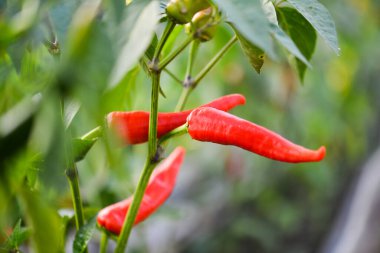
pixel 226 199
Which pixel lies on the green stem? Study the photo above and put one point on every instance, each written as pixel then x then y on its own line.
pixel 213 61
pixel 192 54
pixel 174 133
pixel 173 76
pixel 165 35
pixel 132 212
pixel 188 82
pixel 176 52
pixel 103 243
pixel 147 171
pixel 187 90
pixel 72 176
pixel 183 99
pixel 153 117
pixel 152 158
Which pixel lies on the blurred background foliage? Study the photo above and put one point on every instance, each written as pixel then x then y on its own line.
pixel 226 200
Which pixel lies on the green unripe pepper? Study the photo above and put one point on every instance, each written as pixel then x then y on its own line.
pixel 182 11
pixel 203 25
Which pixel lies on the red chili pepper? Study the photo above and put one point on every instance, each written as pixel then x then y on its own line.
pixel 208 124
pixel 159 188
pixel 133 127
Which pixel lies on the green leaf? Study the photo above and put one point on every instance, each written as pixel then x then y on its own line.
pixel 302 33
pixel 81 26
pixel 71 108
pixel 81 148
pixel 320 18
pixel 149 55
pixel 15 127
pixel 61 14
pixel 172 40
pixel 250 20
pixel 18 236
pixel 44 221
pixel 139 40
pixel 3 6
pixel 117 8
pixel 152 47
pixel 84 235
pixel 120 97
pixel 279 34
pixel 289 44
pixel 254 54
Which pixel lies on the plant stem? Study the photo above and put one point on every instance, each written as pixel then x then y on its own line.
pixel 213 61
pixel 132 212
pixel 72 176
pixel 173 76
pixel 165 35
pixel 147 171
pixel 183 99
pixel 174 133
pixel 188 82
pixel 103 243
pixel 187 90
pixel 192 54
pixel 152 157
pixel 176 52
pixel 153 117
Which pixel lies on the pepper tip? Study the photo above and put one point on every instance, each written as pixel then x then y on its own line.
pixel 321 153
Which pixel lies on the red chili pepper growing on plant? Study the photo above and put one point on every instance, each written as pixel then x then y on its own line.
pixel 159 188
pixel 133 127
pixel 208 124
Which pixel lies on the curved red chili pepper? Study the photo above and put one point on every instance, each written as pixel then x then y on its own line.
pixel 133 127
pixel 208 124
pixel 159 188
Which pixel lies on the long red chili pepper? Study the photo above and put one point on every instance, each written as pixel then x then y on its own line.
pixel 208 124
pixel 133 127
pixel 159 188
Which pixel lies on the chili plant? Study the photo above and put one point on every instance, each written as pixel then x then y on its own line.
pixel 149 35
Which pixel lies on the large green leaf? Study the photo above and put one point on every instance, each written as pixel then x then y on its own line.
pixel 249 19
pixel 81 27
pixel 138 41
pixel 320 18
pixel 3 5
pixel 302 33
pixel 279 34
pixel 120 97
pixel 61 14
pixel 83 236
pixel 289 44
pixel 254 53
pixel 46 225
pixel 255 23
pixel 71 108
pixel 15 127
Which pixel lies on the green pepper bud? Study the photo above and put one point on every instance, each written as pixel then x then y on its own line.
pixel 181 11
pixel 203 25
